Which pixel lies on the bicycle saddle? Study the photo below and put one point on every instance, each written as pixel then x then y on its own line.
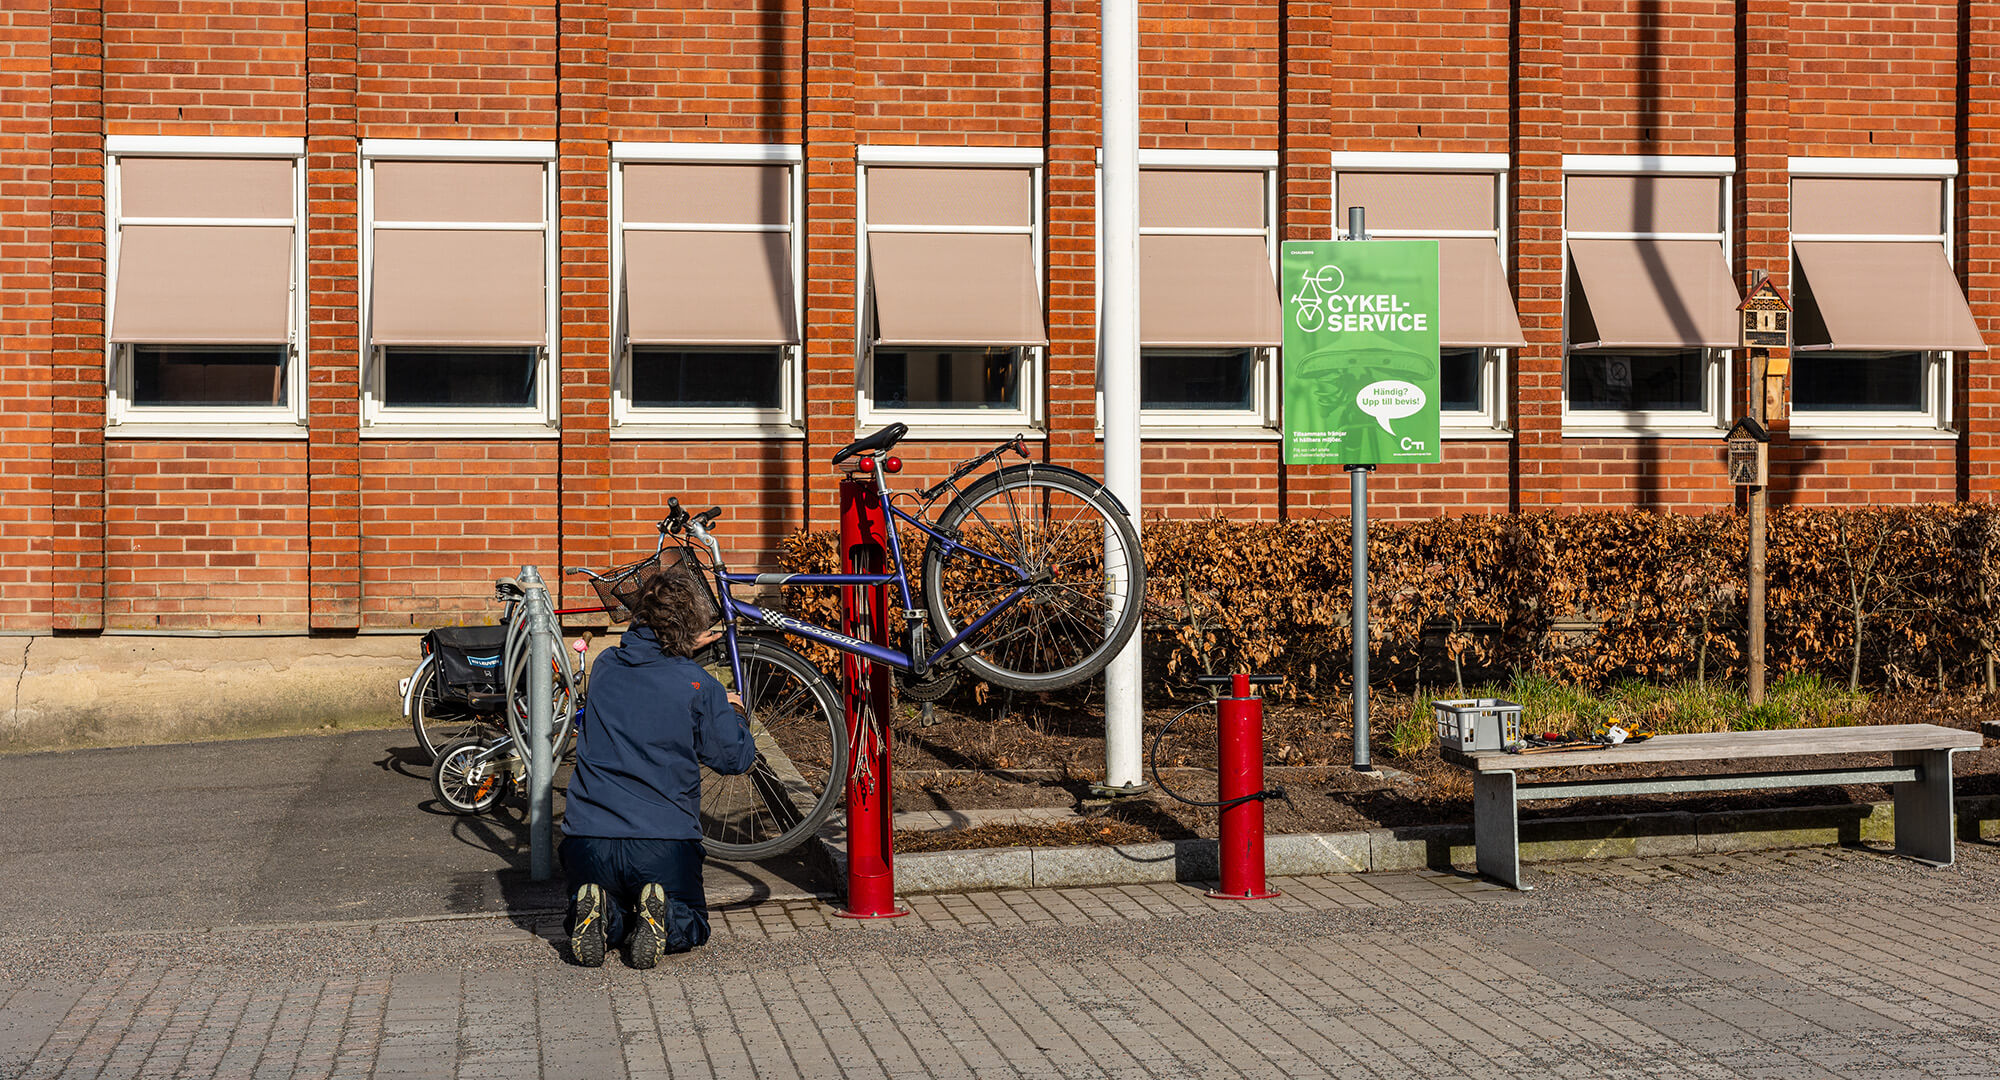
pixel 868 444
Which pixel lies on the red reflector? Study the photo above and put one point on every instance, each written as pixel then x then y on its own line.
pixel 892 464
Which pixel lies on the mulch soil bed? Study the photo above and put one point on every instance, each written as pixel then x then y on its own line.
pixel 1043 754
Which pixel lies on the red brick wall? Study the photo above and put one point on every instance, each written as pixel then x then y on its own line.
pixel 205 535
pixel 1864 473
pixel 1645 76
pixel 25 342
pixel 1874 79
pixel 1473 478
pixel 1209 75
pixel 1408 76
pixel 188 67
pixel 950 72
pixel 440 521
pixel 457 71
pixel 706 71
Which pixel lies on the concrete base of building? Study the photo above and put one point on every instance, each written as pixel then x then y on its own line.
pixel 70 692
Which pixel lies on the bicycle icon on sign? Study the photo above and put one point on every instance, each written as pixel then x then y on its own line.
pixel 1314 288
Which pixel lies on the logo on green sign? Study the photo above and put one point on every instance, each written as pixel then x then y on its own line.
pixel 1361 352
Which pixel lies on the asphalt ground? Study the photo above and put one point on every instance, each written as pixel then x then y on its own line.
pixel 294 829
pixel 288 908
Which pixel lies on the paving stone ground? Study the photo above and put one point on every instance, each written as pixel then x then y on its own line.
pixel 1797 964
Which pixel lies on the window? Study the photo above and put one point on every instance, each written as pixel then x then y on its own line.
pixel 1458 200
pixel 709 295
pixel 1209 318
pixel 457 289
pixel 1650 303
pixel 951 325
pixel 1877 307
pixel 205 300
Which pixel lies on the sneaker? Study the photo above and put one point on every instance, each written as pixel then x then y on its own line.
pixel 649 927
pixel 586 936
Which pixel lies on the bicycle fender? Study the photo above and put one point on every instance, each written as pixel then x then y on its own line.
pixel 410 684
pixel 1031 469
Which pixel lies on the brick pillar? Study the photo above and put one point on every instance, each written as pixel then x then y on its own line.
pixel 1073 133
pixel 26 471
pixel 583 166
pixel 1305 182
pixel 77 314
pixel 1978 255
pixel 1763 184
pixel 1537 250
pixel 333 317
pixel 831 282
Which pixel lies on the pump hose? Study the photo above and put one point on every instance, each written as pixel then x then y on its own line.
pixel 1257 796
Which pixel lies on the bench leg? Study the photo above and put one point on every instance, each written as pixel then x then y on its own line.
pixel 1496 832
pixel 1923 807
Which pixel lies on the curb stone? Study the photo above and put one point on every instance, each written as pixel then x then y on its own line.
pixel 1436 847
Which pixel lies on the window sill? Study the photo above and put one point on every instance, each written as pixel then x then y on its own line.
pixel 1926 432
pixel 930 430
pixel 1473 433
pixel 1702 428
pixel 663 431
pixel 1221 432
pixel 141 429
pixel 380 430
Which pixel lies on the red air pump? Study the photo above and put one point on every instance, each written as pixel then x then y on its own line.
pixel 1239 774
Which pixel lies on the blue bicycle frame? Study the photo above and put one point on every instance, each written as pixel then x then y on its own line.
pixel 732 608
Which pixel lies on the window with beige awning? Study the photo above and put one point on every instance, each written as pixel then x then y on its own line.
pixel 1890 287
pixel 1204 265
pixel 1476 306
pixel 459 255
pixel 708 254
pixel 951 256
pixel 205 251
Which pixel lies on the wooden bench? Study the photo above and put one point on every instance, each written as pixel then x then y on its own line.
pixel 1919 772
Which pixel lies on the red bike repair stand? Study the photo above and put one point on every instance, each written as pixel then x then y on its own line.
pixel 1239 751
pixel 864 615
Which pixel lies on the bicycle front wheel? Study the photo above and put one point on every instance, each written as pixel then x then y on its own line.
pixel 437 722
pixel 801 768
pixel 1056 556
pixel 466 780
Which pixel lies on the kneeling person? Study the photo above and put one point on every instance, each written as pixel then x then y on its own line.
pixel 632 853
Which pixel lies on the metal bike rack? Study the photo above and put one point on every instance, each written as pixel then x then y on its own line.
pixel 535 628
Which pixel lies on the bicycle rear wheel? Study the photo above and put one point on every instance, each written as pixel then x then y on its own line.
pixel 1069 574
pixel 469 781
pixel 437 722
pixel 801 769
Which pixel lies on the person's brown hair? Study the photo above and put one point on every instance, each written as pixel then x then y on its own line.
pixel 674 605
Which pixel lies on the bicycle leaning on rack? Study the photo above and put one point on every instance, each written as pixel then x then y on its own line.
pixel 1031 579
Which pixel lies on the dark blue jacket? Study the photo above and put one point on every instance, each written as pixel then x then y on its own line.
pixel 651 717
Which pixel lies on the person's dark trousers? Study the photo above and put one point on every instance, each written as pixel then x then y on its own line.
pixel 624 865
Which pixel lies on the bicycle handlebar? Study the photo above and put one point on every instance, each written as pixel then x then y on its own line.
pixel 677 518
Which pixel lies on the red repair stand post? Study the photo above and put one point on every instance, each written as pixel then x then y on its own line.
pixel 1239 764
pixel 864 614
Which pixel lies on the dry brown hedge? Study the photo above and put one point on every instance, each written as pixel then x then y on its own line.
pixel 1878 597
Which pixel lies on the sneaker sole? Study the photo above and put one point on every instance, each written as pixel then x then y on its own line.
pixel 649 936
pixel 586 943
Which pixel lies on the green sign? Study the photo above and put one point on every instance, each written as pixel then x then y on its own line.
pixel 1361 352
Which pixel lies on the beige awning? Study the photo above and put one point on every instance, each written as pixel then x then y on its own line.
pixel 203 285
pixel 1476 308
pixel 1868 206
pixel 956 289
pixel 492 192
pixel 1644 204
pixel 191 187
pixel 1651 294
pixel 1207 291
pixel 1417 200
pixel 1201 199
pixel 946 197
pixel 694 288
pixel 457 287
pixel 691 194
pixel 1880 295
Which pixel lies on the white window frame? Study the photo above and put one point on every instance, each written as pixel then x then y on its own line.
pixel 629 421
pixel 1260 421
pixel 1492 421
pixel 123 419
pixel 1716 366
pixel 1027 417
pixel 1934 419
pixel 381 421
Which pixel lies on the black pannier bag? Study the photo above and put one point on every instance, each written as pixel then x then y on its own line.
pixel 468 662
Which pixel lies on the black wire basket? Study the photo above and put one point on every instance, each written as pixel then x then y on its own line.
pixel 619 589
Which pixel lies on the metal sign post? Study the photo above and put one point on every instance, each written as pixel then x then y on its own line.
pixel 864 614
pixel 1361 381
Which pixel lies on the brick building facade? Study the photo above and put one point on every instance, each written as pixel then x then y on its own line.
pixel 551 263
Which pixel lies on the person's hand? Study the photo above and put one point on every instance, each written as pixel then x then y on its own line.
pixel 708 637
pixel 736 700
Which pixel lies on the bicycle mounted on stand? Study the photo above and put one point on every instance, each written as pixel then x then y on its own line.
pixel 1031 579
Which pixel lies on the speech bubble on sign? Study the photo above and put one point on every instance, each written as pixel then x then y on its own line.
pixel 1390 399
